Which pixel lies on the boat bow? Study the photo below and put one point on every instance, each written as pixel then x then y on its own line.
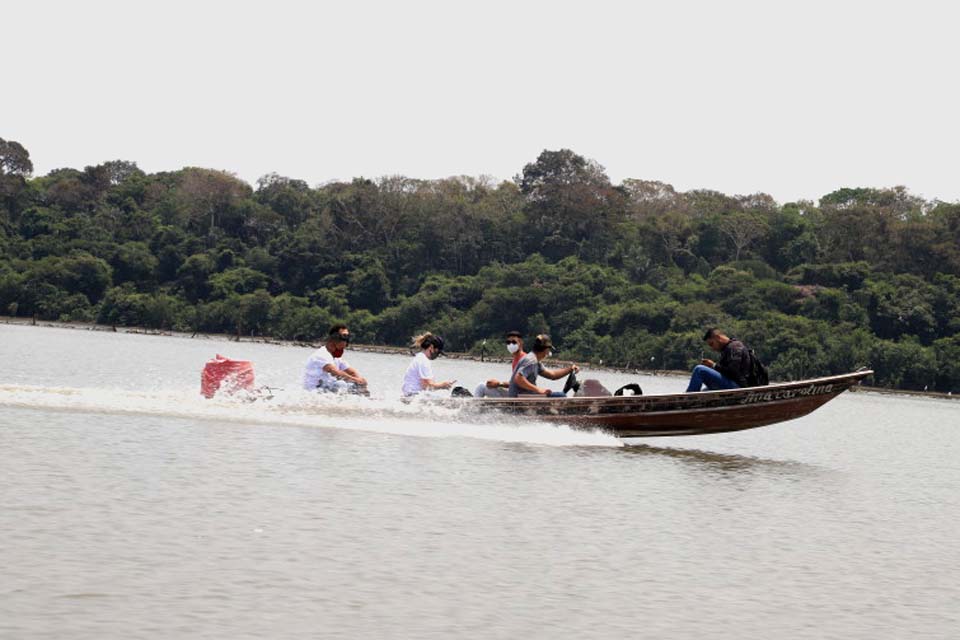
pixel 681 413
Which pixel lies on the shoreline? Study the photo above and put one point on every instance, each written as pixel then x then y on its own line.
pixel 385 349
pixel 366 348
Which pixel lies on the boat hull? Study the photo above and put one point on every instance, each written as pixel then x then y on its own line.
pixel 680 414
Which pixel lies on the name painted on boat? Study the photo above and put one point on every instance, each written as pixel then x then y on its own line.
pixel 787 394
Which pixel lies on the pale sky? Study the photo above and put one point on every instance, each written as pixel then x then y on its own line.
pixel 793 99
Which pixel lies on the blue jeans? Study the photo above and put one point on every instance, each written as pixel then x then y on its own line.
pixel 704 375
pixel 552 394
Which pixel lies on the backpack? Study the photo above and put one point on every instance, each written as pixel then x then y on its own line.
pixel 633 386
pixel 758 372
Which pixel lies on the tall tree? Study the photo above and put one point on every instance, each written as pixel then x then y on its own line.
pixel 14 159
pixel 15 168
pixel 649 198
pixel 571 205
pixel 210 195
pixel 743 229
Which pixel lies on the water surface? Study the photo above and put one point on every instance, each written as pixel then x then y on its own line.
pixel 130 507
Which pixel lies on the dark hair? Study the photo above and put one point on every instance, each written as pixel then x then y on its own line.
pixel 434 341
pixel 336 329
pixel 427 339
pixel 711 332
pixel 542 343
pixel 513 334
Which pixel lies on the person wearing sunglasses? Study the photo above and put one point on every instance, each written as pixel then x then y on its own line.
pixel 494 388
pixel 326 369
pixel 419 375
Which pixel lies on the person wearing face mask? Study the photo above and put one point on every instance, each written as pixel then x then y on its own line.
pixel 494 388
pixel 326 369
pixel 419 375
pixel 524 379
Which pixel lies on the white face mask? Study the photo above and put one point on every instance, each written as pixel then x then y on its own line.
pixel 513 347
pixel 549 354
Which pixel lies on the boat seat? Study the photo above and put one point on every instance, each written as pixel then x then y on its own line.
pixel 591 388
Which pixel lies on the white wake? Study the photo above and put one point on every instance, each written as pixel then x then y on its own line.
pixel 303 409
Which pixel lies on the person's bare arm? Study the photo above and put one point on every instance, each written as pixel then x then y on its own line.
pixel 348 375
pixel 555 374
pixel 359 379
pixel 428 383
pixel 525 384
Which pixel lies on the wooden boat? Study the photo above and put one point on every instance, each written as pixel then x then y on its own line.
pixel 680 414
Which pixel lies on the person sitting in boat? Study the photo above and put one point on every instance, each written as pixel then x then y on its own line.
pixel 525 372
pixel 494 388
pixel 326 369
pixel 732 371
pixel 419 375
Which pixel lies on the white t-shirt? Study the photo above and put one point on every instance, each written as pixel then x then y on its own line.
pixel 314 376
pixel 419 369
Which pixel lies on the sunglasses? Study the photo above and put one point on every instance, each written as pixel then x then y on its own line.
pixel 513 342
pixel 344 338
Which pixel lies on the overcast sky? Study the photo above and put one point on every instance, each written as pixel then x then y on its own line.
pixel 792 99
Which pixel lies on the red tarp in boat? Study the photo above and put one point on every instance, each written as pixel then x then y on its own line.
pixel 229 374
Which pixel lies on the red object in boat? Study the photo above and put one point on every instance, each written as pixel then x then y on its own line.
pixel 232 375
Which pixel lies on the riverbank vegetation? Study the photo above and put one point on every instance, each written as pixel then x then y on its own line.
pixel 627 273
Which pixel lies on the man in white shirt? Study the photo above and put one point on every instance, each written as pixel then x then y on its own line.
pixel 326 369
pixel 419 374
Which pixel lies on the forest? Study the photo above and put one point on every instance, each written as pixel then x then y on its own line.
pixel 629 274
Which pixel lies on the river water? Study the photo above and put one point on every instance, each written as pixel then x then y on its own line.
pixel 131 507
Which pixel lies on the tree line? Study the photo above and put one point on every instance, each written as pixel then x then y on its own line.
pixel 627 273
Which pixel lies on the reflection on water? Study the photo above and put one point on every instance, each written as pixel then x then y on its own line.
pixel 713 461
